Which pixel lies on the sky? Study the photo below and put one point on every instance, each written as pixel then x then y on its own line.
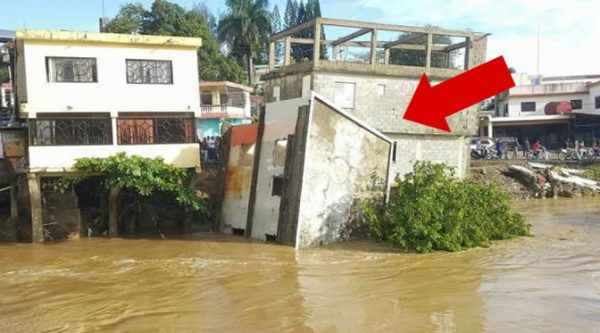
pixel 569 30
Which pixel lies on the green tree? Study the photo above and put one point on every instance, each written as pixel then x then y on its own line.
pixel 4 77
pixel 276 27
pixel 246 28
pixel 129 20
pixel 166 18
pixel 291 14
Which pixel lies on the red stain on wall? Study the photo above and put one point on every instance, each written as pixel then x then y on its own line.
pixel 243 134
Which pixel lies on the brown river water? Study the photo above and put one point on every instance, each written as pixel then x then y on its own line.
pixel 546 283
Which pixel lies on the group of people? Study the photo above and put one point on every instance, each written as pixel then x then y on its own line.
pixel 208 146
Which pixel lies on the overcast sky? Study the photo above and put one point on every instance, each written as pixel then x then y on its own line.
pixel 569 30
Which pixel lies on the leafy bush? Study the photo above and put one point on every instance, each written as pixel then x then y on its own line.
pixel 430 210
pixel 592 173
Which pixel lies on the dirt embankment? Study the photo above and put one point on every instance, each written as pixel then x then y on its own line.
pixel 535 180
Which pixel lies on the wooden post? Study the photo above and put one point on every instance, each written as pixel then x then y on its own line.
pixel 14 205
pixel 317 43
pixel 428 52
pixel 373 47
pixel 113 211
pixel 271 56
pixel 35 199
pixel 386 57
pixel 288 51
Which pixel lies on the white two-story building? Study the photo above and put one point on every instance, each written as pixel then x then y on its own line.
pixel 95 95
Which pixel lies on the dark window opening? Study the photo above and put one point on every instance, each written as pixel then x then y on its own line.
pixel 576 104
pixel 150 71
pixel 238 231
pixel 597 102
pixel 70 132
pixel 277 186
pixel 528 106
pixel 206 99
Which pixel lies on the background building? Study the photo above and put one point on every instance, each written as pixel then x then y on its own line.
pixel 223 102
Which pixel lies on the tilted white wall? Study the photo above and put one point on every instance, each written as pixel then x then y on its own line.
pixel 111 92
pixel 280 121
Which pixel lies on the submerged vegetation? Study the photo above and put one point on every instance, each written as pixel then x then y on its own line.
pixel 143 176
pixel 430 210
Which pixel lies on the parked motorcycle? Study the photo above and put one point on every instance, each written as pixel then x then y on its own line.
pixel 541 154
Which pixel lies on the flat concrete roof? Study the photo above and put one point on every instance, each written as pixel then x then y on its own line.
pixel 106 38
pixel 228 84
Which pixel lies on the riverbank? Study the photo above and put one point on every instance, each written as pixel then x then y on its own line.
pixel 529 180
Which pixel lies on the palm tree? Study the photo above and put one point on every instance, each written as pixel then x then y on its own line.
pixel 246 28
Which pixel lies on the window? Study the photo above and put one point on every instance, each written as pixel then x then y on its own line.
pixel 576 104
pixel 206 98
pixel 527 106
pixel 344 94
pixel 394 148
pixel 150 71
pixel 381 90
pixel 160 130
pixel 60 69
pixel 70 132
pixel 277 186
pixel 597 102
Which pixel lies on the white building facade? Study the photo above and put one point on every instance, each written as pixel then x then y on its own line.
pixel 94 95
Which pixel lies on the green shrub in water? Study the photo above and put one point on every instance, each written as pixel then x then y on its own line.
pixel 430 210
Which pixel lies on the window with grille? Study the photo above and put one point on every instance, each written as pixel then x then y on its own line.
pixel 527 106
pixel 70 132
pixel 61 69
pixel 155 130
pixel 597 102
pixel 150 71
pixel 576 104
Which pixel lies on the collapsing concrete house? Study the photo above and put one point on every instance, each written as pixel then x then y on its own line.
pixel 378 85
pixel 314 158
pixel 312 161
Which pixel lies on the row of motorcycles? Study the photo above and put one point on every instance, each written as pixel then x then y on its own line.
pixel 491 153
pixel 581 154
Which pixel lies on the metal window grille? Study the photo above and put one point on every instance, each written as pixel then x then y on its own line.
pixel 155 130
pixel 149 71
pixel 66 132
pixel 62 69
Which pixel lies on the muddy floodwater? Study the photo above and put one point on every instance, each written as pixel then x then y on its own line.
pixel 547 283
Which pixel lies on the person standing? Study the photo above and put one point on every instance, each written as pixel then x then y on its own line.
pixel 526 147
pixel 212 148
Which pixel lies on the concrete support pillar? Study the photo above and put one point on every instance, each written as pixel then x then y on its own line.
pixel 386 56
pixel 428 52
pixel 288 51
pixel 113 211
pixel 317 43
pixel 373 47
pixel 35 199
pixel 115 130
pixel 14 207
pixel 490 128
pixel 2 98
pixel 271 56
pixel 467 52
pixel 335 53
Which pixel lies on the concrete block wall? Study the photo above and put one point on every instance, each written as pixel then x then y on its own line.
pixel 450 150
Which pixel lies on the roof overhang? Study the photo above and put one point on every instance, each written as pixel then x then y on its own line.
pixel 532 120
pixel 106 38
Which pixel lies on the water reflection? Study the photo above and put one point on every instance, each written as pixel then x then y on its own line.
pixel 548 282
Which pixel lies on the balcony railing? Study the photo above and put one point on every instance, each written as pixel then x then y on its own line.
pixel 222 103
pixel 70 132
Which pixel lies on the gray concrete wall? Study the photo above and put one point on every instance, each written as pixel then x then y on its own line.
pixel 342 156
pixel 385 112
pixel 411 148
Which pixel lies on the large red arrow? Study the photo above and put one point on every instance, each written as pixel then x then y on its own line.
pixel 431 105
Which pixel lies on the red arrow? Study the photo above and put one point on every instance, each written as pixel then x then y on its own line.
pixel 431 105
